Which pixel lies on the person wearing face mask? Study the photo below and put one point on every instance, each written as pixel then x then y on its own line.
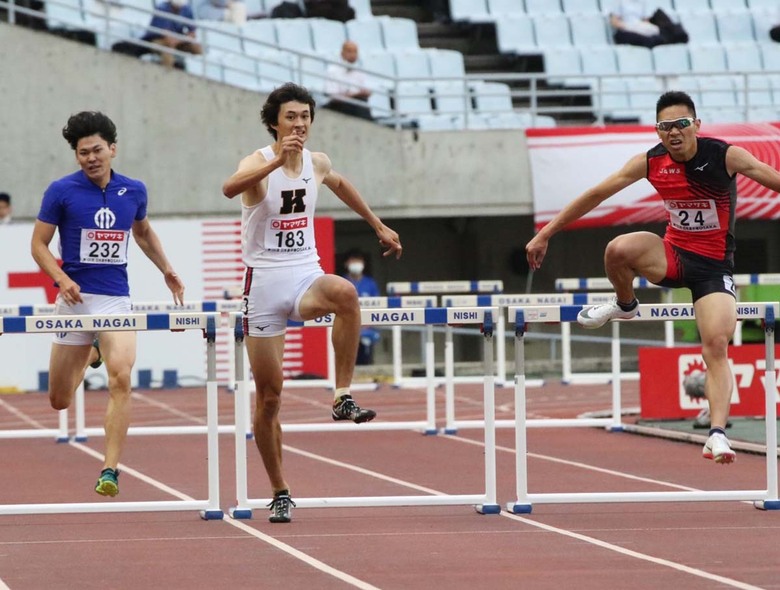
pixel 696 180
pixel 366 287
pixel 169 32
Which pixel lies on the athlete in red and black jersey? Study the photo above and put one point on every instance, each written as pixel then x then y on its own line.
pixel 696 179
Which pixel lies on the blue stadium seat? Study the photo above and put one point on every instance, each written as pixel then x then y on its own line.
pixel 536 7
pixel 259 36
pixel 717 92
pixel 274 68
pixel 501 8
pixel 598 60
pixel 451 98
pixel 413 99
pixel 633 60
pixel 758 93
pixel 643 92
pixel 707 59
pixel 327 36
pixel 313 73
pixel 551 30
pixel 762 4
pixel 412 64
pixel 399 33
pixel 221 38
pixel 367 34
pixel 469 11
pixel 581 6
pixel 743 57
pixel 515 34
pixel 294 34
pixel 735 26
pixel 446 63
pixel 700 26
pixel 492 97
pixel 691 5
pixel 770 56
pixel 614 98
pixel 362 8
pixel 382 64
pixel 589 29
pixel 763 21
pixel 671 60
pixel 64 15
pixel 240 71
pixel 561 63
pixel 728 4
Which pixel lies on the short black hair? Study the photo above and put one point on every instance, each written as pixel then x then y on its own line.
pixel 673 98
pixel 355 253
pixel 86 124
pixel 5 198
pixel 285 93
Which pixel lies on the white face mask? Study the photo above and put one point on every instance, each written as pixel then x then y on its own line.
pixel 355 268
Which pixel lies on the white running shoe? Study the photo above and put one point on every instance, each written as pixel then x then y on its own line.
pixel 718 449
pixel 598 315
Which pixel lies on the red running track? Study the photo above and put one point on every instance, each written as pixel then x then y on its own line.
pixel 648 545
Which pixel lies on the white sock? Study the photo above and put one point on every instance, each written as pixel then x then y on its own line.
pixel 341 391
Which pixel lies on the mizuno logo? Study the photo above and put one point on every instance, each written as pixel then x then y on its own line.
pixel 261 328
pixel 306 179
pixel 702 167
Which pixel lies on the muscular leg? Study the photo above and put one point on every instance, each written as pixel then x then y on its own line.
pixel 716 318
pixel 119 350
pixel 332 294
pixel 66 371
pixel 265 358
pixel 629 255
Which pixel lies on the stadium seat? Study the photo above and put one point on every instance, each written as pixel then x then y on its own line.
pixel 413 99
pixel 671 60
pixel 412 64
pixel 536 7
pixel 735 27
pixel 762 4
pixel 313 73
pixel 743 57
pixel 643 92
pixel 561 63
pixel 707 59
pixel 763 21
pixel 581 6
pixel 633 60
pixel 198 66
pixel 469 11
pixel 762 115
pixel 294 34
pixel 434 122
pixel 717 92
pixel 691 5
pixel 722 116
pixel 770 56
pixel 362 8
pixel 501 8
pixel 274 69
pixel 446 63
pixel 367 34
pixel 551 30
pixel 259 37
pixel 613 101
pixel 65 15
pixel 758 92
pixel 700 26
pixel 240 71
pixel 690 85
pixel 221 38
pixel 399 34
pixel 450 97
pixel 598 60
pixel 589 29
pixel 327 36
pixel 116 22
pixel 727 4
pixel 515 34
pixel 492 97
pixel 382 66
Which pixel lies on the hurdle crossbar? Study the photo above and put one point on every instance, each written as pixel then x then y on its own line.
pixel 207 322
pixel 484 502
pixel 765 499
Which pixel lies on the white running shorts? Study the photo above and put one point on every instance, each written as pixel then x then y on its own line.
pixel 93 305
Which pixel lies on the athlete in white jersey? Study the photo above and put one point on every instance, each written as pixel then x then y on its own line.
pixel 278 187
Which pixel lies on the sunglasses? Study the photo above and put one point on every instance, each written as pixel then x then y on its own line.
pixel 675 124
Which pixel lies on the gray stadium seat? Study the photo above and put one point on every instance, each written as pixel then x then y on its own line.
pixel 581 6
pixel 743 57
pixel 515 34
pixel 534 7
pixel 412 64
pixel 327 36
pixel 446 63
pixel 589 29
pixel 362 8
pixel 259 36
pixel 633 60
pixel 561 63
pixel 671 60
pixel 64 15
pixel 501 8
pixel 727 4
pixel 240 71
pixel 294 34
pixel 707 59
pixel 551 30
pixel 700 26
pixel 717 92
pixel 763 20
pixel 691 5
pixel 469 11
pixel 367 34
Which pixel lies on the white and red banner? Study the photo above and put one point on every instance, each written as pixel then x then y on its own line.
pixel 567 161
pixel 662 395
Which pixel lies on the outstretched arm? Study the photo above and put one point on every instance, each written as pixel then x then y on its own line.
pixel 633 170
pixel 347 192
pixel 150 244
pixel 740 160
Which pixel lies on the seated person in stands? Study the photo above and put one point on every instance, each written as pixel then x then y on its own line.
pixel 232 11
pixel 774 32
pixel 161 26
pixel 332 9
pixel 346 85
pixel 636 22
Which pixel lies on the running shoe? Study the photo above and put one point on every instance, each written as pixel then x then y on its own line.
pixel 718 449
pixel 108 482
pixel 345 408
pixel 99 361
pixel 281 507
pixel 598 315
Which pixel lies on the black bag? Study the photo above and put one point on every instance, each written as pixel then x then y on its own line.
pixel 339 10
pixel 287 10
pixel 670 31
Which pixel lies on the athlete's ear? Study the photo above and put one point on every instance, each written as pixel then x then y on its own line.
pixel 112 149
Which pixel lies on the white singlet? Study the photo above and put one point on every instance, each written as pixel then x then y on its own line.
pixel 279 230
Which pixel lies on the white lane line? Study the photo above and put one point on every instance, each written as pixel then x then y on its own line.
pixel 635 554
pixel 22 416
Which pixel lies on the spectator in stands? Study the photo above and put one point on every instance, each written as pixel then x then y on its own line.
pixel 5 208
pixel 365 286
pixel 346 86
pixel 232 11
pixel 630 20
pixel 774 32
pixel 333 9
pixel 168 32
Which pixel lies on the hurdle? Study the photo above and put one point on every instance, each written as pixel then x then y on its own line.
pixel 484 502
pixel 764 499
pixel 207 322
pixel 501 301
pixel 437 288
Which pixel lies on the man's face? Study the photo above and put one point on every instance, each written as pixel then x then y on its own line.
pixel 94 155
pixel 680 141
pixel 294 119
pixel 5 209
pixel 349 52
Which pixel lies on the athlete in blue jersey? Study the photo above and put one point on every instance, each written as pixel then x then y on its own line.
pixel 95 210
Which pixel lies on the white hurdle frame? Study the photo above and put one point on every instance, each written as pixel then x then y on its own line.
pixel 209 508
pixel 436 288
pixel 484 503
pixel 764 499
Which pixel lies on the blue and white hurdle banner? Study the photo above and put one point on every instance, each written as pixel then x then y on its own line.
pixel 764 499
pixel 441 287
pixel 485 502
pixel 207 322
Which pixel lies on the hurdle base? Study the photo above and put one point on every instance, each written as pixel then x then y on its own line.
pixel 249 436
pixel 615 428
pixel 488 508
pixel 212 514
pixel 767 504
pixel 240 513
pixel 62 439
pixel 81 439
pixel 450 431
pixel 516 508
pixel 430 432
